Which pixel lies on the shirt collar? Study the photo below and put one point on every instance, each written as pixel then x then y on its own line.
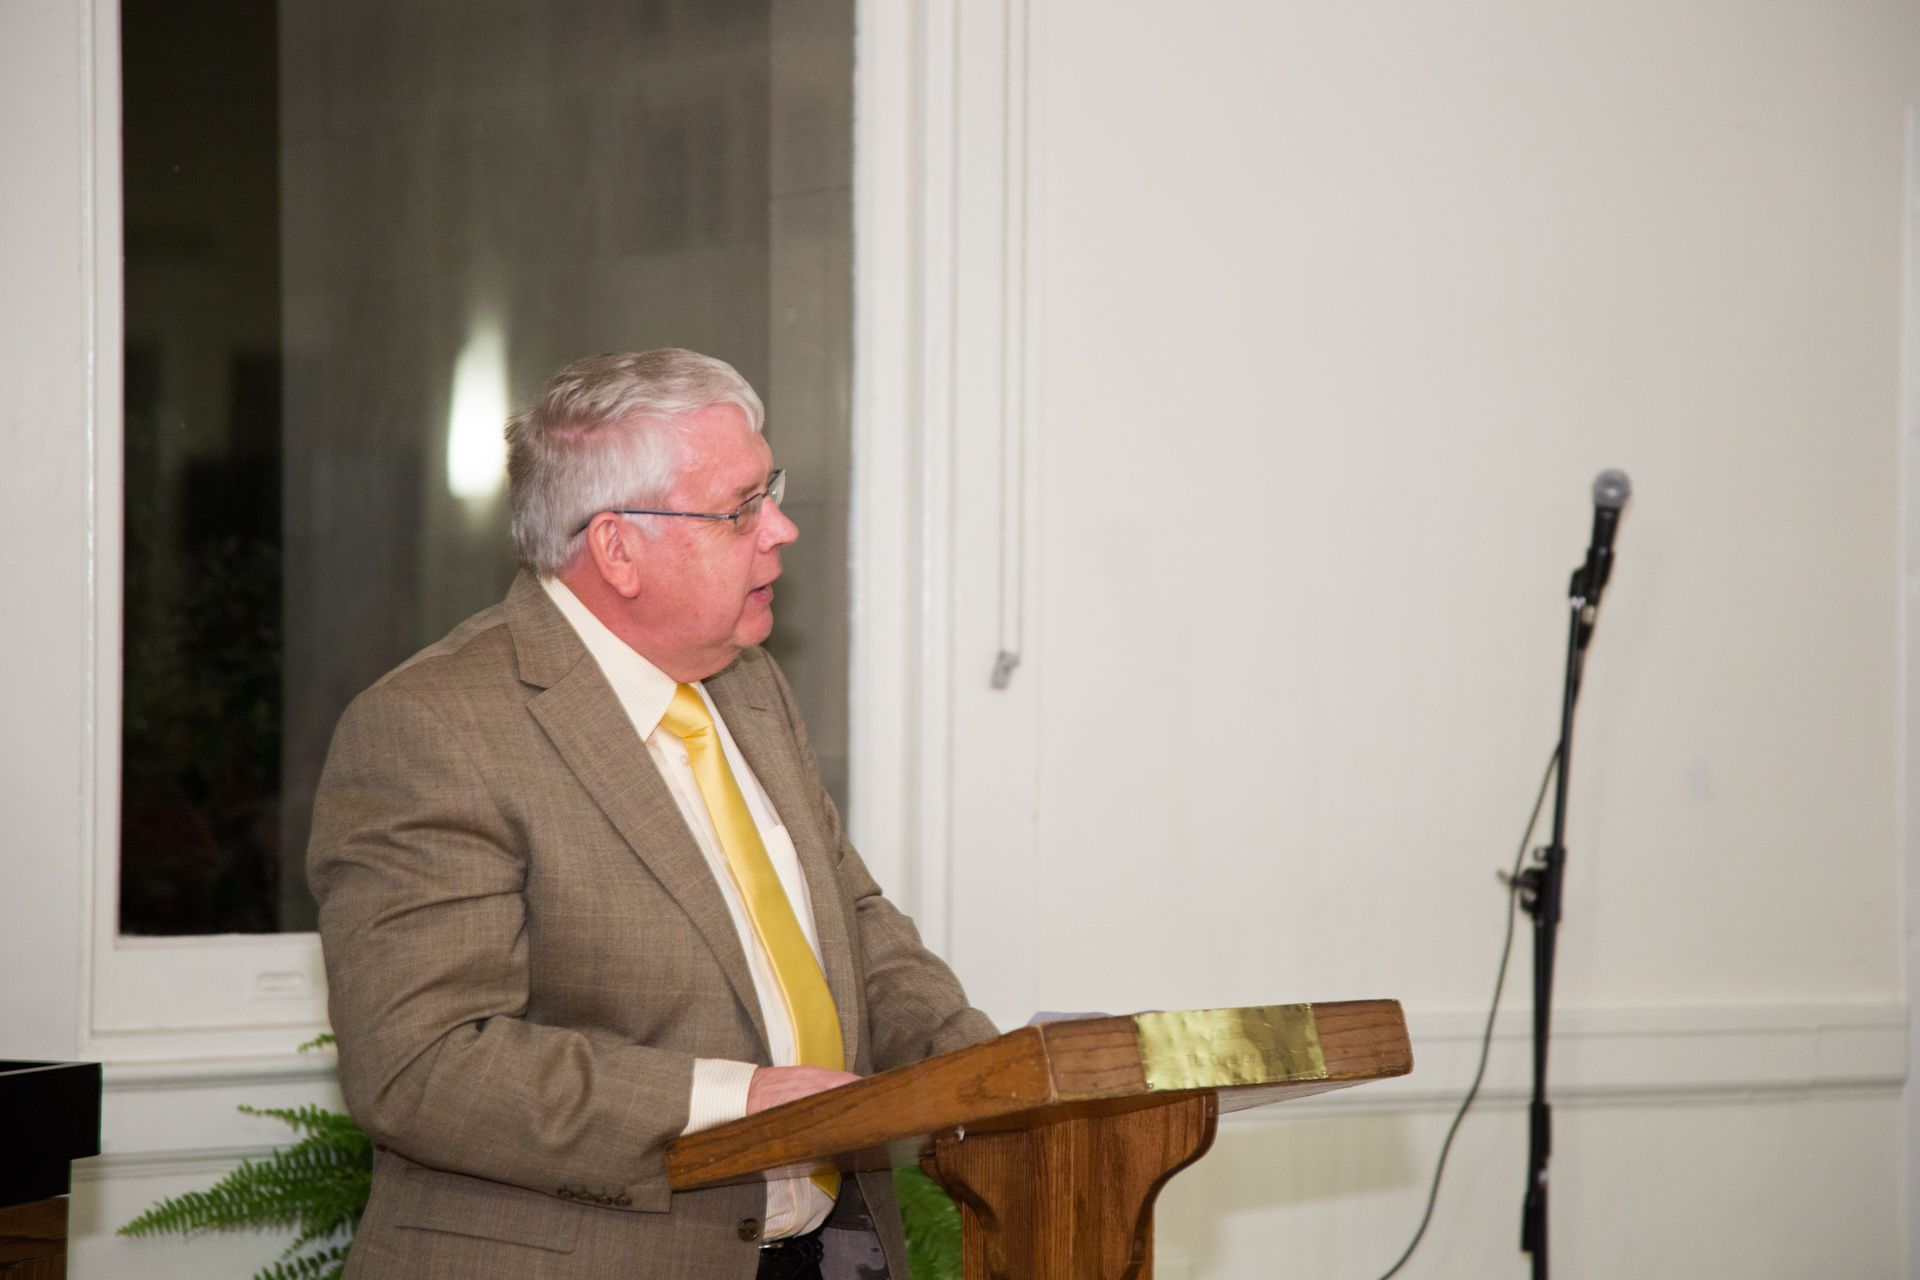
pixel 644 690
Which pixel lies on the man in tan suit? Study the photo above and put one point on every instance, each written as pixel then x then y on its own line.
pixel 547 931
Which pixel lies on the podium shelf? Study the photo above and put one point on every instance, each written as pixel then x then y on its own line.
pixel 1058 1072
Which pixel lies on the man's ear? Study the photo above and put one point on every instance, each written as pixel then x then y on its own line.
pixel 615 548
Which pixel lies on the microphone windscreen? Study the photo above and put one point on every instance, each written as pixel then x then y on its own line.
pixel 1611 489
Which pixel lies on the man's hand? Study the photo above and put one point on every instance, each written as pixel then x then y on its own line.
pixel 774 1085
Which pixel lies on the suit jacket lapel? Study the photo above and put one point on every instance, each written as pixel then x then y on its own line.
pixel 760 730
pixel 584 721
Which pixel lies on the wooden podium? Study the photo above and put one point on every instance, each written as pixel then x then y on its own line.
pixel 1055 1139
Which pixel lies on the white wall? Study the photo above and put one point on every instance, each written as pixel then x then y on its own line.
pixel 1304 328
pixel 45 737
pixel 1340 318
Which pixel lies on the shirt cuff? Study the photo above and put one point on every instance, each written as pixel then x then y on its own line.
pixel 719 1092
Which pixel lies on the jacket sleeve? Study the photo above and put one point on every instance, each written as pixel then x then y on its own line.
pixel 421 879
pixel 916 1007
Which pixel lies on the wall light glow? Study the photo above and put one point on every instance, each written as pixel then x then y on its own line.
pixel 476 445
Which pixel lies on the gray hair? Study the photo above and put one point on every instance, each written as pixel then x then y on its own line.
pixel 605 434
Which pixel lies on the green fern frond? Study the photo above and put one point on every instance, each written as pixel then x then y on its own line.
pixel 326 1220
pixel 251 1196
pixel 325 1265
pixel 932 1223
pixel 320 1041
pixel 290 1189
pixel 318 1122
pixel 317 1187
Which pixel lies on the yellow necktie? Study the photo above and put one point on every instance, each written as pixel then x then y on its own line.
pixel 816 1027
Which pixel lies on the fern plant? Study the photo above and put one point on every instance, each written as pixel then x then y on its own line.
pixel 932 1221
pixel 316 1188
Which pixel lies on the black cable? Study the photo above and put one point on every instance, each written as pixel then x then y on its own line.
pixel 1486 1038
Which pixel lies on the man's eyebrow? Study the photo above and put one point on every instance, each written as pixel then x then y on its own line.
pixel 752 487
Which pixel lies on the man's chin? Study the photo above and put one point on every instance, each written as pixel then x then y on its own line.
pixel 754 628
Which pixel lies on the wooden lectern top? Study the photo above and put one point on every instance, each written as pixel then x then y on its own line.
pixel 1055 1072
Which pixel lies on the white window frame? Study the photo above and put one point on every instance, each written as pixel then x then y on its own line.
pixel 214 996
pixel 257 996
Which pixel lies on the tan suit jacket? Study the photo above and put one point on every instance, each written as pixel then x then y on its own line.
pixel 526 952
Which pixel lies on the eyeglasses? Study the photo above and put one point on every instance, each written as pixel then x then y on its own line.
pixel 743 517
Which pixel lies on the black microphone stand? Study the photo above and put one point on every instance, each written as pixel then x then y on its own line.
pixel 1540 887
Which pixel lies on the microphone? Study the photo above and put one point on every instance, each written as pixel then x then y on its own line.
pixel 1611 489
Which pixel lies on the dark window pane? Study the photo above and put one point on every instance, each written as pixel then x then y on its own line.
pixel 358 235
pixel 200 828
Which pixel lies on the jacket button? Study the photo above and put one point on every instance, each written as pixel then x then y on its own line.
pixel 624 1202
pixel 749 1229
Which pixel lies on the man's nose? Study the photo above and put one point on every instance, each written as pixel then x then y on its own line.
pixel 775 529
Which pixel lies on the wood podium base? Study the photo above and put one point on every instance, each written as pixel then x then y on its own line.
pixel 33 1240
pixel 1072 1199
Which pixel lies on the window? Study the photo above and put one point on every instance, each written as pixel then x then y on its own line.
pixel 357 237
